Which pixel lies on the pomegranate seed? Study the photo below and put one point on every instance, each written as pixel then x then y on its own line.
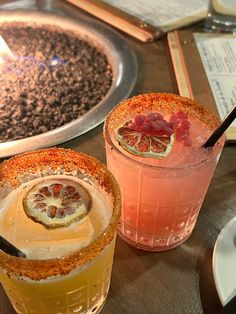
pixel 138 120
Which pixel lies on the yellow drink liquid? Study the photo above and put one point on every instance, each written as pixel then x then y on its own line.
pixel 85 289
pixel 67 269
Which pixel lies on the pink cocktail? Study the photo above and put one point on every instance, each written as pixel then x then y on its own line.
pixel 162 170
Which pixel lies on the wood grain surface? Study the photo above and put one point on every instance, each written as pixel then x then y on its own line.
pixel 178 281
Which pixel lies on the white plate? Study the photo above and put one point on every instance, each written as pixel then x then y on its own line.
pixel 224 262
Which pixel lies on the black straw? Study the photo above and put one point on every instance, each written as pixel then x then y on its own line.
pixel 10 249
pixel 220 130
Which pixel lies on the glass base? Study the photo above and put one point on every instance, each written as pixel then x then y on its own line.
pixel 154 248
pixel 96 309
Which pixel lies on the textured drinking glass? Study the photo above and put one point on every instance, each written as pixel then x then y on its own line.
pixel 221 16
pixel 161 199
pixel 78 282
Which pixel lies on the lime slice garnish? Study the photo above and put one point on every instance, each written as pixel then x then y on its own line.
pixel 57 203
pixel 147 136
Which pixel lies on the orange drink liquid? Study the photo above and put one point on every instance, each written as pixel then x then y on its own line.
pixel 68 266
pixel 158 162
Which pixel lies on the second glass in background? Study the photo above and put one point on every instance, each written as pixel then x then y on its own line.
pixel 221 16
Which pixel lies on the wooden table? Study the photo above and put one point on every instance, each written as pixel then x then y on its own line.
pixel 178 281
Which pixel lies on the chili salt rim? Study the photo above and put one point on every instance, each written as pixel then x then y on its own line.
pixel 168 102
pixel 59 159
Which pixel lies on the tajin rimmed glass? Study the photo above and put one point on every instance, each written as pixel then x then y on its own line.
pixel 160 202
pixel 78 282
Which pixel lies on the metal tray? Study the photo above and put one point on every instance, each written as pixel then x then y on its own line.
pixel 120 56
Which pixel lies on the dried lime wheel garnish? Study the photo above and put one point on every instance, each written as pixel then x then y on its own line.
pixel 57 203
pixel 146 135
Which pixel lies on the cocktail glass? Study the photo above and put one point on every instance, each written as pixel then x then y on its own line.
pixel 77 282
pixel 161 198
pixel 221 16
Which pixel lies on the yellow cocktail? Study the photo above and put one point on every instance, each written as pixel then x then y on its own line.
pixel 61 208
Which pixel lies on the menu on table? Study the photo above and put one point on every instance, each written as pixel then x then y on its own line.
pixel 218 55
pixel 205 70
pixel 146 20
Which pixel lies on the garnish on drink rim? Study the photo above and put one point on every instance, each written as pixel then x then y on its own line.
pixel 57 203
pixel 150 135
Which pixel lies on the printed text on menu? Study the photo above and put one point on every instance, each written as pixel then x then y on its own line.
pixel 218 54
